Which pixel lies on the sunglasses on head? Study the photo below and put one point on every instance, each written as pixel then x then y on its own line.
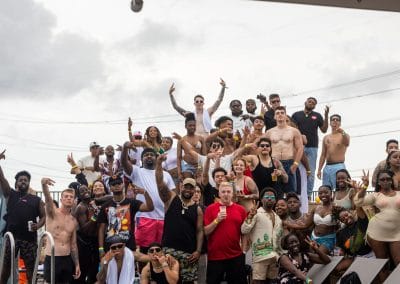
pixel 264 146
pixel 120 246
pixel 153 250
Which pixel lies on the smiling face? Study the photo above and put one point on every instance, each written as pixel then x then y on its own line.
pixel 324 194
pixel 346 217
pixel 258 124
pixel 84 192
pixel 197 195
pixel 98 188
pixel 153 132
pixel 191 127
pixel 394 159
pixel 109 151
pixel 341 178
pixel 251 106
pixel 281 208
pixel 166 144
pixel 239 166
pixel 293 244
pixel 187 191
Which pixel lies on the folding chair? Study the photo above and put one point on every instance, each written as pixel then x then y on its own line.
pixel 319 272
pixel 366 268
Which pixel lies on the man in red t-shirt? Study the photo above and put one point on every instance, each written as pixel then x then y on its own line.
pixel 222 222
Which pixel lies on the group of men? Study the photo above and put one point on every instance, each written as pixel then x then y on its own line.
pixel 147 208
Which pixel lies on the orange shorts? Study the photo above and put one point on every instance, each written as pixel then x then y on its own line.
pixel 148 231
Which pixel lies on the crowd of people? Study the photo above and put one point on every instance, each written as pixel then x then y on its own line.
pixel 229 203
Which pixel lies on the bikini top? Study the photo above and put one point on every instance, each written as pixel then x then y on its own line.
pixel 327 220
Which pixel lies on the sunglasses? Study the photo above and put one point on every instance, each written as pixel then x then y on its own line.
pixel 275 101
pixel 199 101
pixel 385 179
pixel 153 250
pixel 272 197
pixel 215 146
pixel 264 146
pixel 120 246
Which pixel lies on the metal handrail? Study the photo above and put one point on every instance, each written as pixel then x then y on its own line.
pixel 10 236
pixel 52 262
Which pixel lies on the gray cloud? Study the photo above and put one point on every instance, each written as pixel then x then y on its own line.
pixel 156 39
pixel 36 62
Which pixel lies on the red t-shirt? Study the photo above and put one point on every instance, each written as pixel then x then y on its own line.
pixel 224 241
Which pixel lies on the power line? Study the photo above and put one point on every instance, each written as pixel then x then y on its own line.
pixel 329 87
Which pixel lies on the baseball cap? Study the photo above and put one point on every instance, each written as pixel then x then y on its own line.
pixel 189 181
pixel 93 144
pixel 137 133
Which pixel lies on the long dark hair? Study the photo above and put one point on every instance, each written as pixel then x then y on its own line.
pixel 158 138
pixel 387 165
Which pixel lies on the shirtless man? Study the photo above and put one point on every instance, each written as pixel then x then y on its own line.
pixel 62 226
pixel 334 148
pixel 185 162
pixel 224 132
pixel 203 118
pixel 287 146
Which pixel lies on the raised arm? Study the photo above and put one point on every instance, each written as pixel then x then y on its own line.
pixel 131 138
pixel 4 185
pixel 125 162
pixel 180 110
pixel 205 178
pixel 211 110
pixel 148 204
pixel 324 126
pixel 165 194
pixel 50 207
pixel 308 221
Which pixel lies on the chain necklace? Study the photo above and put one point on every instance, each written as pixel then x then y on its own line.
pixel 184 206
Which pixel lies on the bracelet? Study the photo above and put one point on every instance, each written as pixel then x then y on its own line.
pixel 216 221
pixel 364 186
pixel 129 130
pixel 295 163
pixel 94 218
pixel 74 167
pixel 246 145
pixel 308 280
pixel 101 249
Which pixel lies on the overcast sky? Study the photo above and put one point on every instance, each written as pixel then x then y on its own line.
pixel 73 71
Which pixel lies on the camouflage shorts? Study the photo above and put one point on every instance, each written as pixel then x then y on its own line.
pixel 187 271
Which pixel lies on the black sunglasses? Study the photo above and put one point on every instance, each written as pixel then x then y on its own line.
pixel 215 146
pixel 199 102
pixel 120 246
pixel 153 250
pixel 385 179
pixel 264 146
